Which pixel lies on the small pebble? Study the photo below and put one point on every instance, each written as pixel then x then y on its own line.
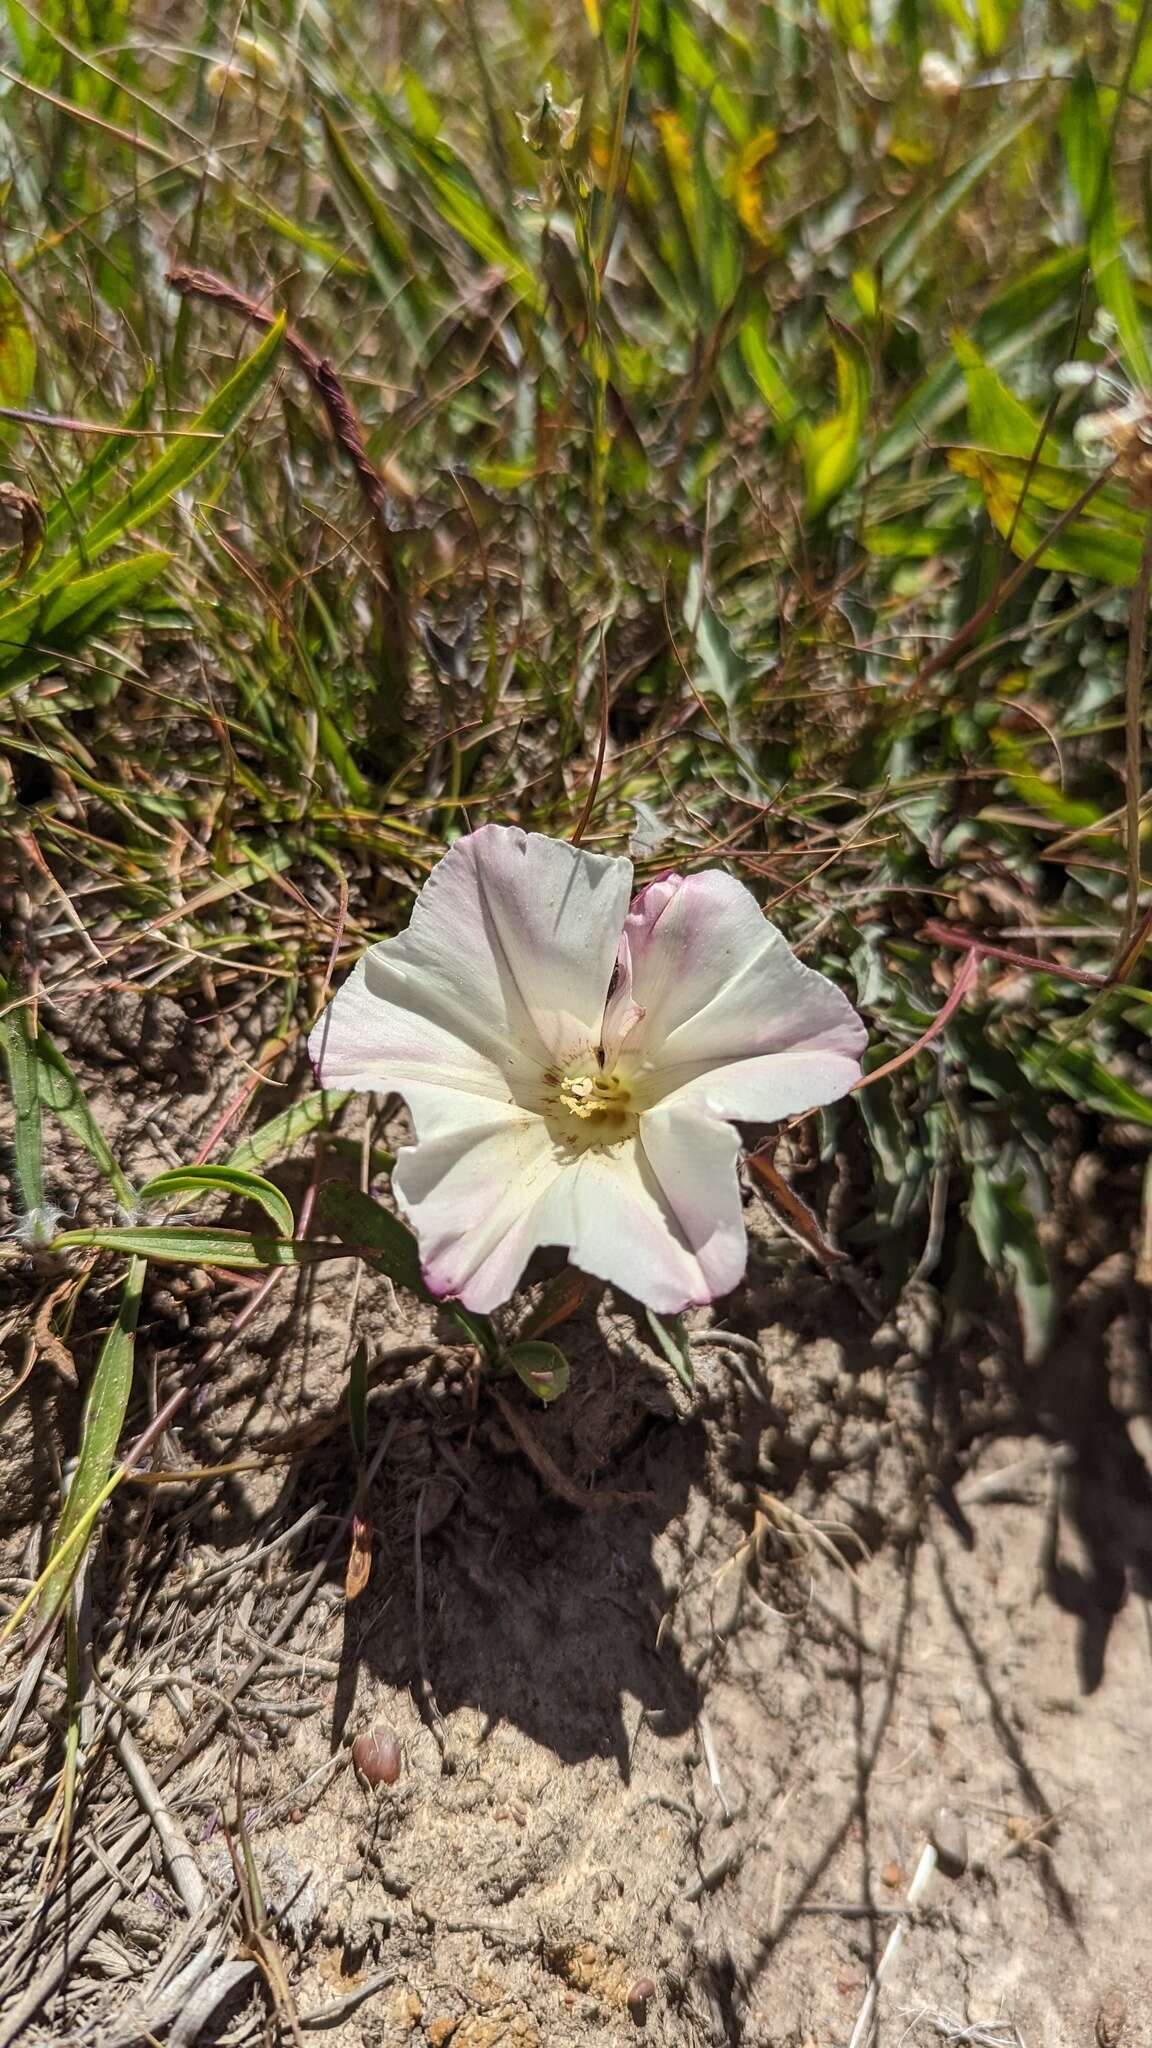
pixel 376 1755
pixel 643 1990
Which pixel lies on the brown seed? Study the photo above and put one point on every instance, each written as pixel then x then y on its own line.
pixel 638 1997
pixel 376 1755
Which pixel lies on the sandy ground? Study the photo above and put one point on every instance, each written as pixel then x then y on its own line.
pixel 667 1765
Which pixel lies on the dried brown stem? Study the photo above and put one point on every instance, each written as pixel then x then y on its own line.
pixel 349 437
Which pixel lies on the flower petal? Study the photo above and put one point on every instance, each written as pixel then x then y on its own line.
pixel 485 1187
pixel 523 932
pixel 504 967
pixel 727 1002
pixel 389 1027
pixel 471 1188
pixel 659 1217
pixel 765 1090
pixel 693 1158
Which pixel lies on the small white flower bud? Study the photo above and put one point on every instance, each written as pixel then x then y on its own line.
pixel 940 78
pixel 1074 376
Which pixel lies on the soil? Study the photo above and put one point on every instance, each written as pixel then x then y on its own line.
pixel 869 1599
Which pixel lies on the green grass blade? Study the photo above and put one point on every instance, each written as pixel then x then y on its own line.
pixel 54 623
pixel 17 352
pixel 65 514
pixel 28 1138
pixel 61 1093
pixel 1085 140
pixel 916 230
pixel 1011 326
pixel 182 461
pixel 104 1412
pixel 832 447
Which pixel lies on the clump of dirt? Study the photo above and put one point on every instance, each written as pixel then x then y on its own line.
pixel 662 1766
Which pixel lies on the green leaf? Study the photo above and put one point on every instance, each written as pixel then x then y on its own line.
pixel 49 624
pixel 1086 1079
pixel 1089 547
pixel 723 669
pixel 997 418
pixel 358 1220
pixel 542 1367
pixel 28 1141
pixel 395 263
pixel 64 515
pixel 832 448
pixel 61 1092
pixel 916 228
pixel 672 1338
pixel 764 369
pixel 173 1245
pixel 1086 142
pixel 1011 325
pixel 187 1183
pixel 458 201
pixel 1005 1230
pixel 17 351
pixel 281 1132
pixel 181 461
pixel 104 1410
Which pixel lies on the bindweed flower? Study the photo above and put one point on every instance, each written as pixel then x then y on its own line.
pixel 574 1058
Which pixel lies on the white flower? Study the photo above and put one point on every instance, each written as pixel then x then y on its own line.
pixel 573 1061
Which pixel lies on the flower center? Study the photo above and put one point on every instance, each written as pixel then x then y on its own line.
pixel 587 1108
pixel 595 1096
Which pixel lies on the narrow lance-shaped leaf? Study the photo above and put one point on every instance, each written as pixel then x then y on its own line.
pixel 832 448
pixel 181 462
pixel 1005 1230
pixel 17 351
pixel 51 623
pixel 61 1092
pixel 672 1338
pixel 175 1244
pixel 915 230
pixel 104 1412
pixel 65 513
pixel 1010 326
pixel 281 1132
pixel 27 1144
pixel 188 1183
pixel 998 420
pixel 1085 138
